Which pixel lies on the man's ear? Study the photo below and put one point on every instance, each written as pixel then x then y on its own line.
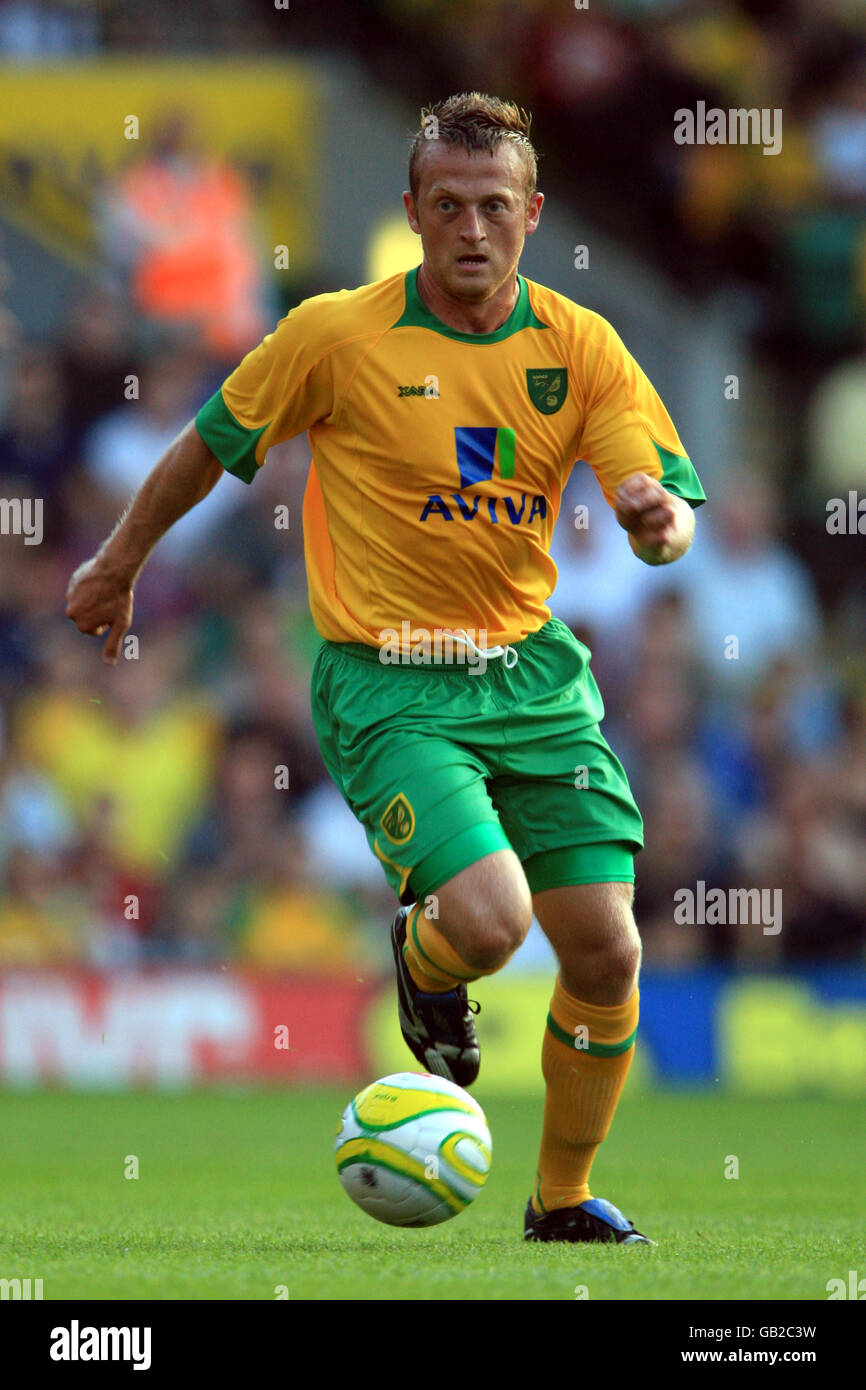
pixel 411 212
pixel 533 212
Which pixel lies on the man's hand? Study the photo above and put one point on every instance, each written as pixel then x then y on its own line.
pixel 99 597
pixel 660 526
pixel 100 591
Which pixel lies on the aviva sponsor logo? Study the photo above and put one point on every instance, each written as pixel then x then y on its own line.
pixel 508 512
pixel 483 450
pixel 480 448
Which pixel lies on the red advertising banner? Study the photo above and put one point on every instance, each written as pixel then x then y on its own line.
pixel 176 1027
pixel 763 1035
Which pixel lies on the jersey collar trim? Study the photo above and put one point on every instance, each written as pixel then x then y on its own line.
pixel 417 315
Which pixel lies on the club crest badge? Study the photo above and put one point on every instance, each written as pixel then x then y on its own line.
pixel 398 820
pixel 548 387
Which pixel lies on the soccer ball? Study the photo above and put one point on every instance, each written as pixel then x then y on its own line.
pixel 413 1149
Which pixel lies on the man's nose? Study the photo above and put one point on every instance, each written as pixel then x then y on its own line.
pixel 471 225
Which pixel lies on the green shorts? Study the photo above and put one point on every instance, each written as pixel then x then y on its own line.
pixel 443 765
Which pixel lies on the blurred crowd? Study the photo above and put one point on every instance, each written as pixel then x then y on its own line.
pixel 737 702
pixel 176 807
pixel 604 81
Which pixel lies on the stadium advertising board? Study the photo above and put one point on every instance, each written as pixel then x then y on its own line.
pixel 763 1035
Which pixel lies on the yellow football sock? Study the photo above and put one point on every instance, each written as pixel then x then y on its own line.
pixel 433 963
pixel 585 1058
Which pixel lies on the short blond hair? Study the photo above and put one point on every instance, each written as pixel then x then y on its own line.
pixel 477 122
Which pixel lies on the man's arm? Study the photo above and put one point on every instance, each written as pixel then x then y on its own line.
pixel 660 526
pixel 100 591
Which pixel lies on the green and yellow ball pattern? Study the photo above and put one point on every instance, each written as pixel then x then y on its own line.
pixel 413 1149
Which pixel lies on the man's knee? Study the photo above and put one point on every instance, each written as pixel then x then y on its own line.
pixel 486 911
pixel 622 955
pixel 495 934
pixel 617 954
pixel 595 937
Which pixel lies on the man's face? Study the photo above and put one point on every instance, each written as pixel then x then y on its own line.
pixel 472 215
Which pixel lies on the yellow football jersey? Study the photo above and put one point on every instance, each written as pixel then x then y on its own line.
pixel 439 457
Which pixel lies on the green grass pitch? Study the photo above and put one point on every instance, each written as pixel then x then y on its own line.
pixel 237 1194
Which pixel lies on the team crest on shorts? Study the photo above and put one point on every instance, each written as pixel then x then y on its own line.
pixel 398 820
pixel 548 387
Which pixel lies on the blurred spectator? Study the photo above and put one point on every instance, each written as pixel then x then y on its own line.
pixel 750 599
pixel 41 921
pixel 33 816
pixel 36 440
pixel 32 32
pixel 98 356
pixel 180 223
pixel 815 851
pixel 835 430
pixel 9 334
pixel 602 590
pixel 121 449
pixel 245 825
pixel 839 134
pixel 146 755
pixel 682 847
pixel 268 909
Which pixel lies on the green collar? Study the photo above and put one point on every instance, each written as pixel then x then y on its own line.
pixel 417 315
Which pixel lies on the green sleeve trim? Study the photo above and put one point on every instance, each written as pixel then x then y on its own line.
pixel 594 1049
pixel 232 443
pixel 679 477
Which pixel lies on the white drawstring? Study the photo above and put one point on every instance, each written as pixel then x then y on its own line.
pixel 461 635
